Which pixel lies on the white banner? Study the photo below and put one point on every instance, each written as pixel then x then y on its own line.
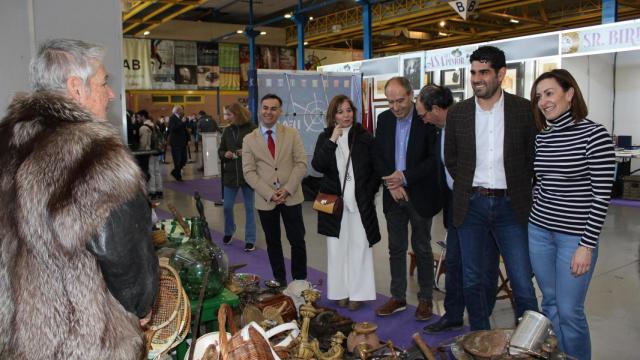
pixel 448 58
pixel 616 37
pixel 137 63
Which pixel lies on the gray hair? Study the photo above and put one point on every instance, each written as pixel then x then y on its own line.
pixel 59 59
pixel 402 81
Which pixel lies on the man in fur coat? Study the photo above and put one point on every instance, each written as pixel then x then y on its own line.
pixel 77 267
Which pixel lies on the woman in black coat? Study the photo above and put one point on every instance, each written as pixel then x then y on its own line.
pixel 350 275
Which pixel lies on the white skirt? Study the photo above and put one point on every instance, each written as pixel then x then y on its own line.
pixel 350 271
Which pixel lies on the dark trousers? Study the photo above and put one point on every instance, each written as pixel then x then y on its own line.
pixel 143 163
pixel 179 154
pixel 491 220
pixel 399 216
pixel 454 301
pixel 294 227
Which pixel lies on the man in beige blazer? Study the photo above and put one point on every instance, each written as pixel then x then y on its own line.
pixel 273 163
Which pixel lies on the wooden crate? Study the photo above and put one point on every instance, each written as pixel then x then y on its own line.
pixel 631 187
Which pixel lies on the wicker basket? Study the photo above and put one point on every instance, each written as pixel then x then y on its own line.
pixel 239 347
pixel 631 187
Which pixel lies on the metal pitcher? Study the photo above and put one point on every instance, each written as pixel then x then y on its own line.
pixel 531 333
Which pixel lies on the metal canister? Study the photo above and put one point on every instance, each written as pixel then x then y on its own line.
pixel 533 330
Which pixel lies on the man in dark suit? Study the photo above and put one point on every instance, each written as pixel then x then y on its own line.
pixel 489 151
pixel 406 160
pixel 178 135
pixel 432 105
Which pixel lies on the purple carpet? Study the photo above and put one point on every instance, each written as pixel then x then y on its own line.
pixel 398 327
pixel 625 202
pixel 210 189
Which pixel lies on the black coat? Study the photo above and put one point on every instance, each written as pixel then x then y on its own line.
pixel 422 171
pixel 177 132
pixel 324 161
pixel 232 137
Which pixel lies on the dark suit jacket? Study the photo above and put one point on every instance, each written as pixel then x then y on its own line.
pixel 460 153
pixel 177 132
pixel 421 174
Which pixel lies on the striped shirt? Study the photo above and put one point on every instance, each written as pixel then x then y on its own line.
pixel 574 170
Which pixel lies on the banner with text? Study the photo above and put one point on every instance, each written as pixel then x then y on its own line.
pixel 137 63
pixel 607 38
pixel 448 58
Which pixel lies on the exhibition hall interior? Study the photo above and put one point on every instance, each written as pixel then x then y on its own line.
pixel 367 126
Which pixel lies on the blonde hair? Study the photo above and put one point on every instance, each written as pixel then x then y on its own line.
pixel 240 112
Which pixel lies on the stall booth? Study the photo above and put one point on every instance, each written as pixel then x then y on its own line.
pixel 604 59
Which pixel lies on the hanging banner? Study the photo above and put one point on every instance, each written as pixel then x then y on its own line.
pixel 207 54
pixel 185 53
pixel 448 58
pixel 208 77
pixel 464 8
pixel 620 36
pixel 137 63
pixel 162 65
pixel 286 59
pixel 229 60
pixel 268 57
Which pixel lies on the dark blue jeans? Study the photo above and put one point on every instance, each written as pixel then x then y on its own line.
pixel 454 301
pixel 488 216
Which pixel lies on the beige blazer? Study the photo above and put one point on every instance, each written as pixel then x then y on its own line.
pixel 262 171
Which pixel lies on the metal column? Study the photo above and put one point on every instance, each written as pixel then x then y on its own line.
pixel 251 35
pixel 609 11
pixel 367 44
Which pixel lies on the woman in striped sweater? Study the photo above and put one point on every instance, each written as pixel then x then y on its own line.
pixel 574 169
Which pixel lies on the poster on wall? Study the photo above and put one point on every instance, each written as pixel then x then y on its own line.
pixel 286 58
pixel 185 53
pixel 452 78
pixel 513 81
pixel 269 57
pixel 412 69
pixel 137 63
pixel 244 67
pixel 162 65
pixel 208 77
pixel 208 53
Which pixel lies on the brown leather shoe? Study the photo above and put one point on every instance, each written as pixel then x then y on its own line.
pixel 354 305
pixel 424 311
pixel 343 303
pixel 391 306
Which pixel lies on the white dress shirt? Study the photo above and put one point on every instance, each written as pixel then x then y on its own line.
pixel 489 146
pixel 446 172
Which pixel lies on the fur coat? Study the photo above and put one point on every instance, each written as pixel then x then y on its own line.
pixel 63 177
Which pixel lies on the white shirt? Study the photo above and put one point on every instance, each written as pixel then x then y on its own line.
pixel 489 147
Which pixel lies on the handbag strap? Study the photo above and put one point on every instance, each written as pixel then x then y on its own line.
pixel 346 171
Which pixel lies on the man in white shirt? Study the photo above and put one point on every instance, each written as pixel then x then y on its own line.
pixel 489 152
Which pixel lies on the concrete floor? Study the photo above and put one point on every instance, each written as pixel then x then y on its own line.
pixel 613 301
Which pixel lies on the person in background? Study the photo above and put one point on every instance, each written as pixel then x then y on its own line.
pixel 432 106
pixel 144 144
pixel 274 163
pixel 574 170
pixel 230 151
pixel 149 131
pixel 177 134
pixel 78 272
pixel 162 125
pixel 407 161
pixel 489 145
pixel 350 236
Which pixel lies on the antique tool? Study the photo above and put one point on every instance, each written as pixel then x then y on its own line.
pixel 306 349
pixel 179 219
pixel 336 351
pixel 363 336
pixel 200 208
pixel 423 347
pixel 364 352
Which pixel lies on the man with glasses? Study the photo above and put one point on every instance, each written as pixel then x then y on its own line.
pixel 406 159
pixel 274 163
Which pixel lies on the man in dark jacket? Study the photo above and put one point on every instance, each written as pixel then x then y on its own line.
pixel 178 135
pixel 407 161
pixel 77 267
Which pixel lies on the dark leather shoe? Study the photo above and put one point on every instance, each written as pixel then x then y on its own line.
pixel 443 325
pixel 392 306
pixel 424 311
pixel 226 239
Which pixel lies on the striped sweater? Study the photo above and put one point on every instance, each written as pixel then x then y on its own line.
pixel 574 170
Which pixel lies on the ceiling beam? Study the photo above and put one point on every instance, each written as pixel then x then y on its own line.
pixel 136 9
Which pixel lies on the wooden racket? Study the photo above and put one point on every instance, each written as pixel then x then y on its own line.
pixel 166 308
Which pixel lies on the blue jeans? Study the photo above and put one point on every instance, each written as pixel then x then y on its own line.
pixel 229 200
pixel 454 301
pixel 551 254
pixel 491 220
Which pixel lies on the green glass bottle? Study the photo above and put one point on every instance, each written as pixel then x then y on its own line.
pixel 197 256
